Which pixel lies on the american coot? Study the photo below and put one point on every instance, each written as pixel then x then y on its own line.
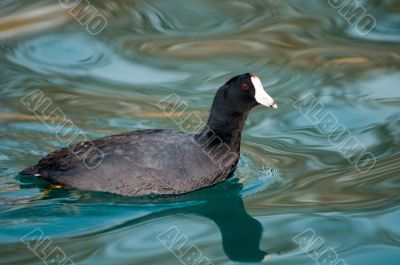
pixel 162 161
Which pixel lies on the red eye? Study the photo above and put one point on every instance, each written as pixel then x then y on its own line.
pixel 245 86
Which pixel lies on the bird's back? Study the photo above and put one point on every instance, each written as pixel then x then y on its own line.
pixel 134 164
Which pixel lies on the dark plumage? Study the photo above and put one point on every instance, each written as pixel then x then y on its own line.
pixel 161 161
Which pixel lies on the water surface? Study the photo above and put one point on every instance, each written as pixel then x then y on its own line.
pixel 290 177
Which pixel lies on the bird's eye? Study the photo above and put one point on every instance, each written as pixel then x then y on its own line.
pixel 245 86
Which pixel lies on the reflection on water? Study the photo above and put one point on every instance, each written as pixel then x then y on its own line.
pixel 240 233
pixel 290 177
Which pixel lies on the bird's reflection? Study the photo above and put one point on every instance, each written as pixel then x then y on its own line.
pixel 221 203
pixel 240 232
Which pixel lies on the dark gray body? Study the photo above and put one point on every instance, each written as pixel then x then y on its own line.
pixel 160 161
pixel 136 163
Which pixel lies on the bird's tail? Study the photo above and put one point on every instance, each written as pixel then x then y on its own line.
pixel 30 171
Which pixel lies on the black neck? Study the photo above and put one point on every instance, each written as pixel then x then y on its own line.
pixel 226 126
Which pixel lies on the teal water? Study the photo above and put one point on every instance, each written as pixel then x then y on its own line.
pixel 291 178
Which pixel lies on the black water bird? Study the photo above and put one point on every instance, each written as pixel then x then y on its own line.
pixel 161 161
